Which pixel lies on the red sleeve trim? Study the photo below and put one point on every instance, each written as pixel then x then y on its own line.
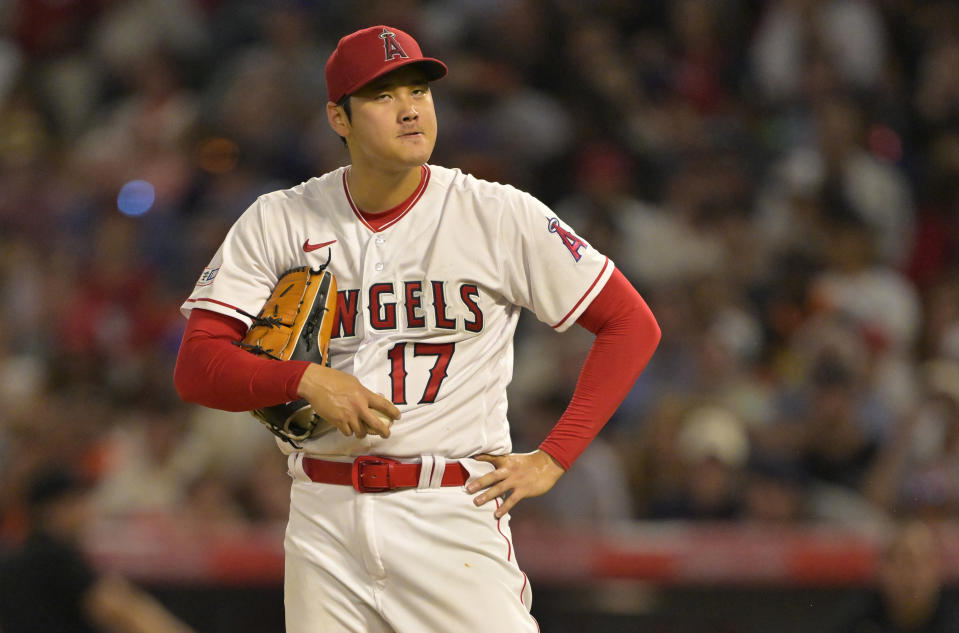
pixel 585 294
pixel 219 303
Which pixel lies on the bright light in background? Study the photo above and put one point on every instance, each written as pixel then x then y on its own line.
pixel 136 197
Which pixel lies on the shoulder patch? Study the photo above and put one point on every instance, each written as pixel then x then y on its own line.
pixel 206 277
pixel 570 240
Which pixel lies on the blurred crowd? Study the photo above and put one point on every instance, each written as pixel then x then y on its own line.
pixel 779 180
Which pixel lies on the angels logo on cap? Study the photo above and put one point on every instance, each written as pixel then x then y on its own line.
pixel 393 48
pixel 363 56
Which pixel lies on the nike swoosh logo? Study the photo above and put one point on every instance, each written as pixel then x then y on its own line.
pixel 312 247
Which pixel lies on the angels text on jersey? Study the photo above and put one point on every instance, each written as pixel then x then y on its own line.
pixel 409 305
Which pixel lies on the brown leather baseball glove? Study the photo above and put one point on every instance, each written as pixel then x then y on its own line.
pixel 295 323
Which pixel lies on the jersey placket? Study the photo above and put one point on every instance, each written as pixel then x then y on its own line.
pixel 377 269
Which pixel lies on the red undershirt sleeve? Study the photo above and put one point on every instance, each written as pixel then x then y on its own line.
pixel 212 371
pixel 626 336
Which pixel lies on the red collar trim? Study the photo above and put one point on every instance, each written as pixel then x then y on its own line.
pixel 377 222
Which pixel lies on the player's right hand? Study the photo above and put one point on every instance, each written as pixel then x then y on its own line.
pixel 345 403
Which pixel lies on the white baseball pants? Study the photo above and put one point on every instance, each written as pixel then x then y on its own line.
pixel 406 561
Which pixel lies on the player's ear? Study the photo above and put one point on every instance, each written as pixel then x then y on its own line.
pixel 339 121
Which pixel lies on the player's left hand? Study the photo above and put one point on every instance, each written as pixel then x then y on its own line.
pixel 519 474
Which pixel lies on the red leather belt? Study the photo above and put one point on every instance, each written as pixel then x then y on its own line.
pixel 369 473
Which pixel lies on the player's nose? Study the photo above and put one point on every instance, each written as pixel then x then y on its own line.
pixel 407 109
pixel 409 113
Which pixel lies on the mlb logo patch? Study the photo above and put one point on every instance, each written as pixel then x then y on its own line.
pixel 206 277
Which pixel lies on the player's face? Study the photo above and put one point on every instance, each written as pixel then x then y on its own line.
pixel 393 123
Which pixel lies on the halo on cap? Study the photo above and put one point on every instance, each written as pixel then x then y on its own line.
pixel 364 55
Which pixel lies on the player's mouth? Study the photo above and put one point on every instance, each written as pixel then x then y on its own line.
pixel 412 134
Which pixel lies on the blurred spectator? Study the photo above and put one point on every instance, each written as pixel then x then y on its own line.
pixel 775 492
pixel 147 471
pixel 265 95
pixel 881 304
pixel 713 447
pixel 831 426
pixel 69 417
pixel 838 446
pixel 116 311
pixel 602 200
pixel 909 595
pixel 938 96
pixel 46 584
pixel 799 41
pixel 838 168
pixel 940 335
pixel 857 285
pixel 676 241
pixel 126 31
pixel 917 472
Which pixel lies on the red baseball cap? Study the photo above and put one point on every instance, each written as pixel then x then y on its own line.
pixel 363 56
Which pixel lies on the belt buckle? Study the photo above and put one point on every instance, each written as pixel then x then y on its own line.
pixel 359 465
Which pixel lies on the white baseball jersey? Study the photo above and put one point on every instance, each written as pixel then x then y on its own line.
pixel 427 305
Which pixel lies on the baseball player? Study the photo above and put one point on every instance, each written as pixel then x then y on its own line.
pixel 399 515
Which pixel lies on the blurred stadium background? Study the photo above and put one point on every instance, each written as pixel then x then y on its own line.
pixel 779 179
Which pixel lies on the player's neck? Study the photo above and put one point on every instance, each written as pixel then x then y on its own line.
pixel 374 191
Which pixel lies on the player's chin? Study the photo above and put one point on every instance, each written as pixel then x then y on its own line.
pixel 417 153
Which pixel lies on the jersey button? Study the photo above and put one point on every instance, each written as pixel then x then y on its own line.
pixel 378 266
pixel 380 240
